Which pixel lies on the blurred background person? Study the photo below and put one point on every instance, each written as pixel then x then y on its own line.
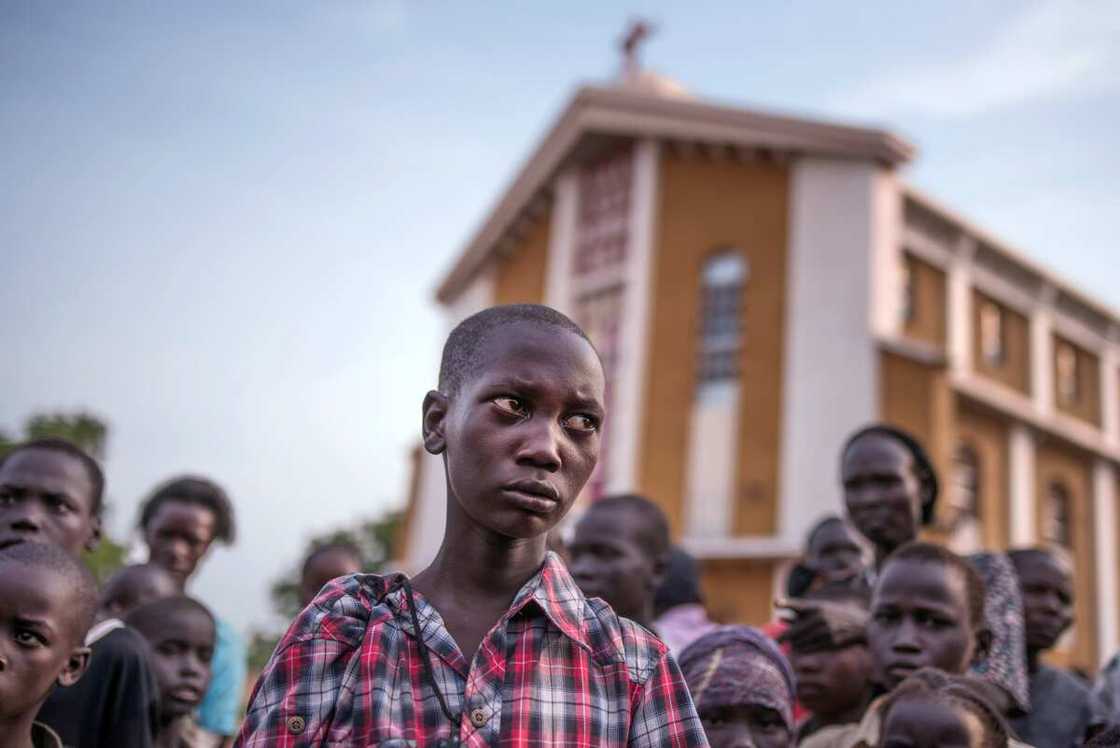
pixel 679 603
pixel 325 563
pixel 180 521
pixel 133 586
pixel 619 552
pixel 743 688
pixel 1060 710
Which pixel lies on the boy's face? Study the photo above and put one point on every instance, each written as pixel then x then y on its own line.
pixel 521 437
pixel 46 497
pixel 178 536
pixel 323 568
pixel 931 723
pixel 609 561
pixel 1047 600
pixel 832 681
pixel 881 492
pixel 919 618
pixel 181 655
pixel 835 554
pixel 39 644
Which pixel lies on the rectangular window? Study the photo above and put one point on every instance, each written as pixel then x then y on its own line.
pixel 1068 390
pixel 721 317
pixel 991 334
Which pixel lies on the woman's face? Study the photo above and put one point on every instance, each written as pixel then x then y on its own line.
pixel 745 726
pixel 881 491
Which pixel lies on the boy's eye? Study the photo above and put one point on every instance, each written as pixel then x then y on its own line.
pixel 511 405
pixel 581 422
pixel 29 639
pixel 58 504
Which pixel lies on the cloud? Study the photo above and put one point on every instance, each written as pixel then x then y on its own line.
pixel 1051 49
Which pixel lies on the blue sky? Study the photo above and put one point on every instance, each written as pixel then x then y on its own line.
pixel 222 222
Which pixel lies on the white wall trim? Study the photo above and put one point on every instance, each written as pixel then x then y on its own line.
pixel 634 336
pixel 1110 395
pixel 1077 332
pixel 1021 477
pixel 1104 516
pixel 959 313
pixel 745 546
pixel 561 243
pixel 926 248
pixel 999 289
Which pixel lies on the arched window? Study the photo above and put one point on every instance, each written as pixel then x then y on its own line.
pixel 1057 518
pixel 991 333
pixel 724 279
pixel 963 520
pixel 1067 373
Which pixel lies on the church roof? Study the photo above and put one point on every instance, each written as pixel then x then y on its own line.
pixel 658 107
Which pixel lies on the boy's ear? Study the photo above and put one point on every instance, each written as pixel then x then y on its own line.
pixel 983 645
pixel 76 665
pixel 436 406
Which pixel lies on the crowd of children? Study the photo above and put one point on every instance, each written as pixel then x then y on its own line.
pixel 516 636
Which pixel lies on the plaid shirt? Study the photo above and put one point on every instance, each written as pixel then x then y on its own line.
pixel 558 669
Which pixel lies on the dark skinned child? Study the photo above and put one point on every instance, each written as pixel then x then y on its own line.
pixel 1060 704
pixel 619 553
pixel 325 563
pixel 181 632
pixel 133 586
pixel 47 604
pixel 927 610
pixel 833 670
pixel 493 643
pixel 50 492
pixel 933 710
pixel 181 520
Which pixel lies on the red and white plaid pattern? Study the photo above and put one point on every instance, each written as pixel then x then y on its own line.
pixel 556 670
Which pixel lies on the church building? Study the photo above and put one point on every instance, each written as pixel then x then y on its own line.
pixel 759 286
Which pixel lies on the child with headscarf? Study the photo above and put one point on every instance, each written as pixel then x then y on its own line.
pixel 743 688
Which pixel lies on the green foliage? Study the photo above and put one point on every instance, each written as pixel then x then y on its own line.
pixel 373 538
pixel 261 647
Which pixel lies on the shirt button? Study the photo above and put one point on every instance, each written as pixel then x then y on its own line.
pixel 296 725
pixel 478 717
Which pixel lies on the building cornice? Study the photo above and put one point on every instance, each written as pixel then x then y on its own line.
pixel 619 112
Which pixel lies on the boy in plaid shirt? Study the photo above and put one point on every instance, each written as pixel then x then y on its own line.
pixel 492 644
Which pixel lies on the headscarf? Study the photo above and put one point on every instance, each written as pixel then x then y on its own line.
pixel 737 665
pixel 1005 663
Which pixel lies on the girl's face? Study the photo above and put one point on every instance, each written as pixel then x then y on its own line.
pixel 745 726
pixel 930 723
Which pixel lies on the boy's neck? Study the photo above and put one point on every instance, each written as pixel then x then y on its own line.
pixel 15 732
pixel 474 562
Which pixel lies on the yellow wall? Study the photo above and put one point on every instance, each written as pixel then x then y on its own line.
pixel 1055 461
pixel 987 434
pixel 738 590
pixel 520 277
pixel 916 397
pixel 1087 406
pixel 706 206
pixel 1015 369
pixel 927 321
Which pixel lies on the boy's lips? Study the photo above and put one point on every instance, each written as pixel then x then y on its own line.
pixel 186 693
pixel 534 496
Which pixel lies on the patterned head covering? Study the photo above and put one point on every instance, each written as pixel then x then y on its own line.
pixel 736 665
pixel 1005 664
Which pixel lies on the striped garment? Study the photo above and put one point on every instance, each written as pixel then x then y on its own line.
pixel 557 670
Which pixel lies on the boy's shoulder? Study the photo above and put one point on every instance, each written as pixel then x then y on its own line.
pixel 616 639
pixel 345 608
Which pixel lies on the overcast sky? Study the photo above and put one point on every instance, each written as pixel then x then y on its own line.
pixel 222 223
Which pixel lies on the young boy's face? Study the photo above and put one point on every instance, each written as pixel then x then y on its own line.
pixel 931 723
pixel 1047 600
pixel 881 491
pixel 521 436
pixel 919 618
pixel 181 655
pixel 46 496
pixel 609 561
pixel 178 536
pixel 835 553
pixel 744 726
pixel 40 645
pixel 832 681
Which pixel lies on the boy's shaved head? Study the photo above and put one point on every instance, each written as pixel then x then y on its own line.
pixel 80 585
pixel 651 528
pixel 136 585
pixel 151 618
pixel 459 352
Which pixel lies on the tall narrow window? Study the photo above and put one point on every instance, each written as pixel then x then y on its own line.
pixel 1067 373
pixel 991 333
pixel 909 290
pixel 964 501
pixel 724 279
pixel 1057 516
